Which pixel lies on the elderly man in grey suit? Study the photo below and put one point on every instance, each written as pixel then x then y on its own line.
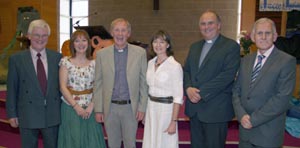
pixel 33 96
pixel 120 89
pixel 263 89
pixel 209 74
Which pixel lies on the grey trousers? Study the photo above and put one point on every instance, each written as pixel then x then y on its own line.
pixel 121 125
pixel 244 144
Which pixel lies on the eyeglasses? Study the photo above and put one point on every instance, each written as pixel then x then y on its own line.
pixel 38 36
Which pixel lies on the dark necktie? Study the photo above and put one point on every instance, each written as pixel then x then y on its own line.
pixel 41 74
pixel 257 68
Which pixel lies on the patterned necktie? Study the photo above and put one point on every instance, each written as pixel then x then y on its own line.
pixel 41 74
pixel 257 68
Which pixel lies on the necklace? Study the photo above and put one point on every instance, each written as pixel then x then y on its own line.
pixel 159 63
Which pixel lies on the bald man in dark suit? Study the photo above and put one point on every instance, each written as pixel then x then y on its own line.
pixel 209 74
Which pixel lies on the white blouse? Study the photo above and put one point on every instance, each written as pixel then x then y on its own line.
pixel 166 80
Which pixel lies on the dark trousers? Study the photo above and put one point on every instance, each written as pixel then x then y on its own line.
pixel 244 144
pixel 207 135
pixel 29 137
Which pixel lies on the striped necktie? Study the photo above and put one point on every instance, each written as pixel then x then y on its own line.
pixel 257 68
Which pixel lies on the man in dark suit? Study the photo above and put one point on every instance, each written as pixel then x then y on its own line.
pixel 33 96
pixel 263 89
pixel 209 74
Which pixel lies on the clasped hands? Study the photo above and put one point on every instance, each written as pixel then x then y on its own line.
pixel 193 94
pixel 84 113
pixel 245 122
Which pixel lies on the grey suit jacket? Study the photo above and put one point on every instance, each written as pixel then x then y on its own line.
pixel 214 78
pixel 136 78
pixel 25 99
pixel 268 100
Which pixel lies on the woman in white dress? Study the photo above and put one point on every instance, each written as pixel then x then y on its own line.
pixel 165 81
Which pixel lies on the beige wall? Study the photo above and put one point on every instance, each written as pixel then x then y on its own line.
pixel 178 17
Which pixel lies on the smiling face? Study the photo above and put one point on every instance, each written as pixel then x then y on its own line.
pixel 209 25
pixel 81 44
pixel 160 46
pixel 264 35
pixel 38 38
pixel 120 32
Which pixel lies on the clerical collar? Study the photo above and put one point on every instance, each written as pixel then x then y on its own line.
pixel 209 41
pixel 120 50
pixel 212 40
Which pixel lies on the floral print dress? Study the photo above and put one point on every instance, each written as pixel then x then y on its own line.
pixel 75 132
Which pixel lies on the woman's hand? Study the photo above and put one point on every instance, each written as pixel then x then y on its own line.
pixel 172 128
pixel 89 110
pixel 79 110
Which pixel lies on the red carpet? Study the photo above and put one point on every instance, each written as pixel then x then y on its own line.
pixel 9 137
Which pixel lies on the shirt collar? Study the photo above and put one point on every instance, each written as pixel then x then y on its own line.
pixel 34 53
pixel 212 40
pixel 120 50
pixel 267 53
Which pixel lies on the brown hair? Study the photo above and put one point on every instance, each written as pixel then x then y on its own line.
pixel 161 34
pixel 83 33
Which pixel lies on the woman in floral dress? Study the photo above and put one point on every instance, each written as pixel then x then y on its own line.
pixel 78 127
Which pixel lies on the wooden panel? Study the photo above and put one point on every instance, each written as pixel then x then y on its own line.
pixel 247 14
pixel 46 8
pixel 7 23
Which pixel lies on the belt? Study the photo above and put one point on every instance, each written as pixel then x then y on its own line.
pixel 166 100
pixel 82 92
pixel 121 102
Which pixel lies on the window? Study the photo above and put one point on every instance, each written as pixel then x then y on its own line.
pixel 72 13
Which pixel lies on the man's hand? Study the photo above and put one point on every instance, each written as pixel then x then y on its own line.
pixel 14 122
pixel 193 94
pixel 139 116
pixel 99 117
pixel 245 121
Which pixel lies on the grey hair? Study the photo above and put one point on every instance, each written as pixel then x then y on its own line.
pixel 40 24
pixel 114 22
pixel 264 20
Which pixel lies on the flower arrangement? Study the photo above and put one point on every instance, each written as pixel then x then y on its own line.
pixel 245 41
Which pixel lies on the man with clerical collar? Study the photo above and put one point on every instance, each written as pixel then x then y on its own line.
pixel 209 73
pixel 120 90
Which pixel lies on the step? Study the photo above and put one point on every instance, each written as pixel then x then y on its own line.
pixel 2 102
pixel 12 140
pixel 183 130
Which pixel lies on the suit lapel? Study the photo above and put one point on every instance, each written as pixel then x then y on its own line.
pixel 198 55
pixel 111 58
pixel 249 68
pixel 211 51
pixel 50 69
pixel 130 60
pixel 31 73
pixel 270 61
